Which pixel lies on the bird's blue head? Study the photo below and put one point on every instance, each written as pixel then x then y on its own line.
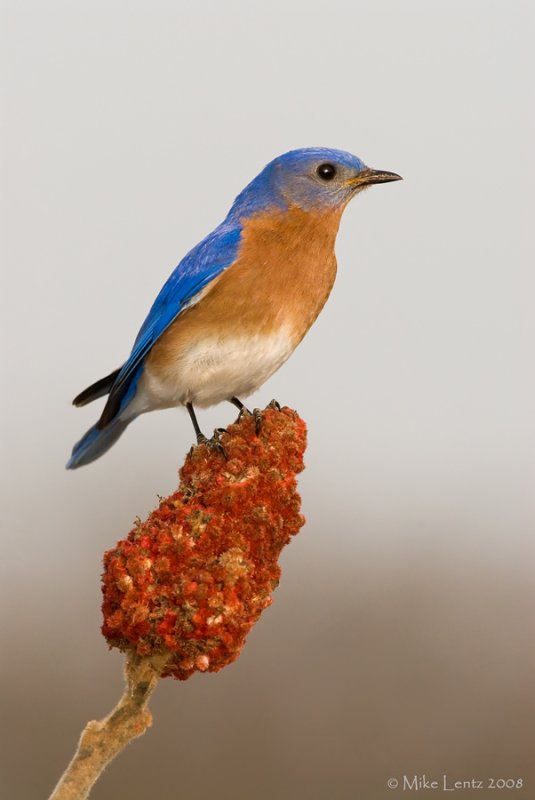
pixel 313 178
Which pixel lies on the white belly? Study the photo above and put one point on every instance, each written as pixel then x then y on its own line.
pixel 213 370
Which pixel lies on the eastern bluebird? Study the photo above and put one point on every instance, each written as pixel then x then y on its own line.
pixel 240 302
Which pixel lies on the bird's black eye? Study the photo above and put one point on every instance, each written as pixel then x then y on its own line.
pixel 326 171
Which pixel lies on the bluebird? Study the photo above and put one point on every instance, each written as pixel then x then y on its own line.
pixel 240 301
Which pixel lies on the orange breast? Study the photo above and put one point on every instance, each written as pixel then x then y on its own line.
pixel 282 277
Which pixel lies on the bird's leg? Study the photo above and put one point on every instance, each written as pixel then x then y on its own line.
pixel 257 414
pixel 240 406
pixel 201 438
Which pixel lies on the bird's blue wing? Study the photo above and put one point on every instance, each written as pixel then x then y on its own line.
pixel 200 266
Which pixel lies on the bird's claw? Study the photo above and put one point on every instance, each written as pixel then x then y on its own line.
pixel 243 412
pixel 214 443
pixel 257 414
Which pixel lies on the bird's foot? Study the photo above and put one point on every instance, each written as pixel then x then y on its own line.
pixel 256 412
pixel 244 412
pixel 214 443
pixel 258 415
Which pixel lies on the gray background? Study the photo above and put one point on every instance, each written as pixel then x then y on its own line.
pixel 401 638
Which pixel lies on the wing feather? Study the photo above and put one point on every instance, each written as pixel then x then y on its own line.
pixel 196 270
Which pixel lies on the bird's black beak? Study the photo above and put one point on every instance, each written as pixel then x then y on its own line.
pixel 368 176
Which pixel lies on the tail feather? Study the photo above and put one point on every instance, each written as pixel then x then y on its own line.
pixel 96 390
pixel 95 442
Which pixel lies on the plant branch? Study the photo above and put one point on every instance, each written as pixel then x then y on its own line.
pixel 183 590
pixel 103 739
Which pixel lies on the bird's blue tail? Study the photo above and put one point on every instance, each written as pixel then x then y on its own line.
pixel 94 443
